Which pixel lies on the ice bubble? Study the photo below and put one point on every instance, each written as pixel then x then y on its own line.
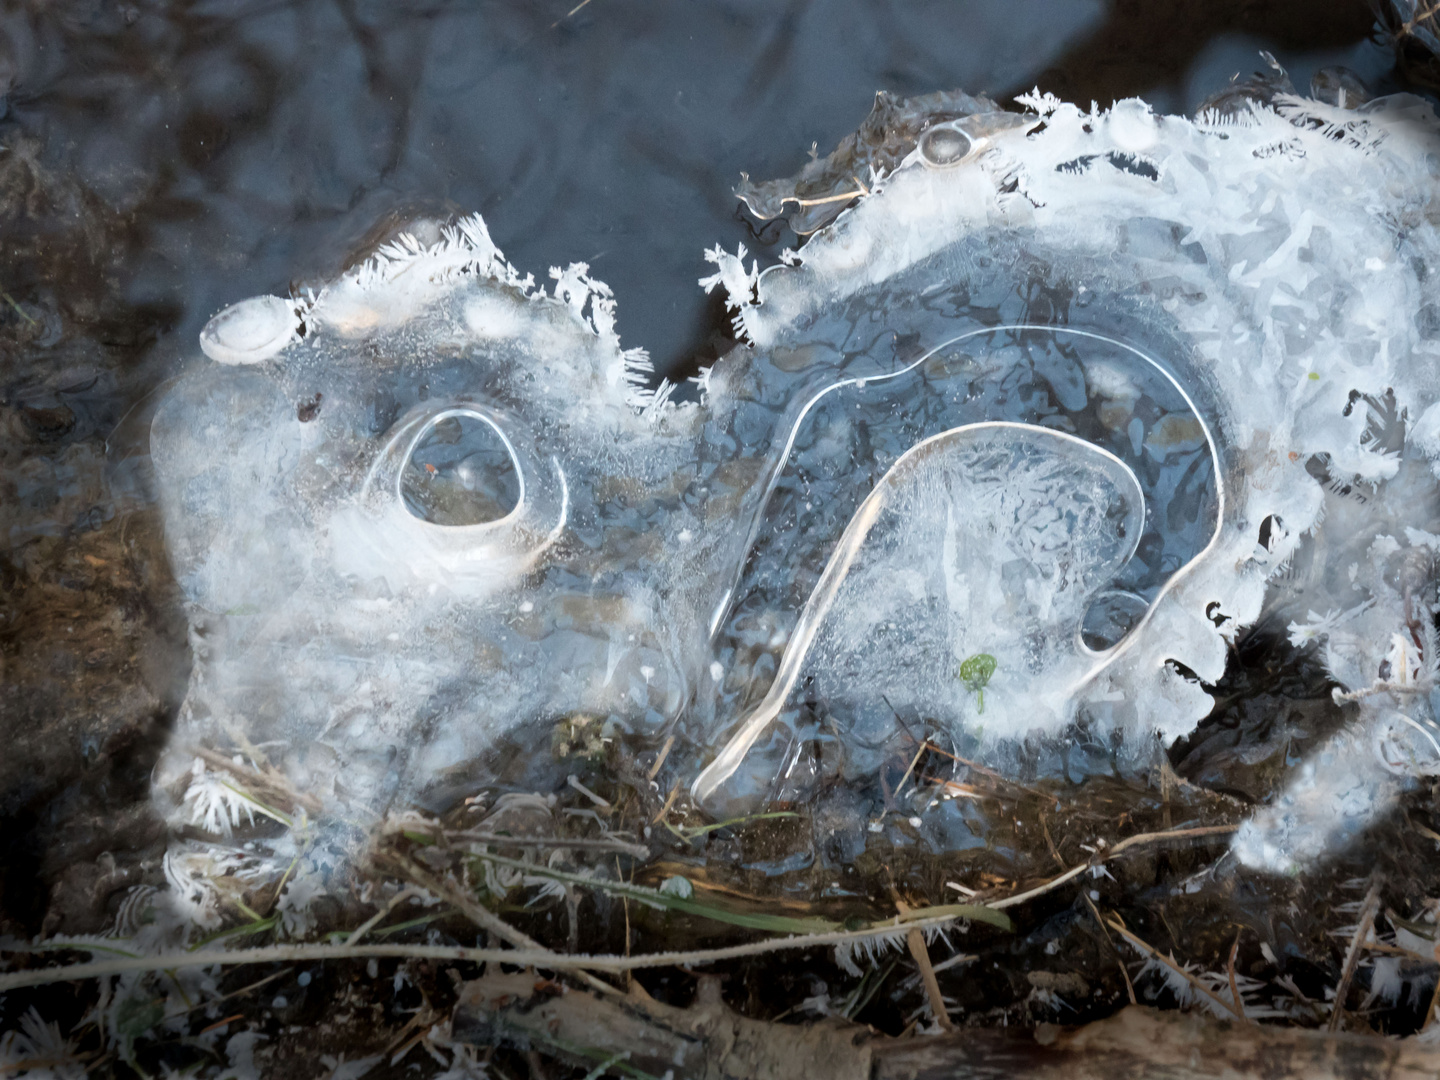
pixel 250 331
pixel 944 145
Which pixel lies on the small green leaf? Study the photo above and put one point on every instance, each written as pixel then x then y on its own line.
pixel 975 672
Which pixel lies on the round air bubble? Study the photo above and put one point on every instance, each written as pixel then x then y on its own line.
pixel 461 472
pixel 944 146
pixel 250 331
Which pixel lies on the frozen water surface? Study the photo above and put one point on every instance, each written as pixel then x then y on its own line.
pixel 1017 445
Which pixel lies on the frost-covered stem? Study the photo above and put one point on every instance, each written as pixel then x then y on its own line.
pixel 575 843
pixel 1236 1009
pixel 1352 955
pixel 482 916
pixel 1345 697
pixel 1130 841
pixel 538 958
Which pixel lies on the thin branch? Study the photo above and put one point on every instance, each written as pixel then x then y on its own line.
pixel 669 802
pixel 274 785
pixel 369 924
pixel 477 912
pixel 1234 983
pixel 915 942
pixel 1039 890
pixel 844 196
pixel 569 13
pixel 660 760
pixel 537 958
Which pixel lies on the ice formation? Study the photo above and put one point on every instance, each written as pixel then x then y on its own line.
pixel 1020 441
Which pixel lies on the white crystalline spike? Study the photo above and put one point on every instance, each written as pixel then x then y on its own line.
pixel 251 331
pixel 987 540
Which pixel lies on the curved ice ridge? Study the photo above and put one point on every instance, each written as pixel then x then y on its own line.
pixel 1235 313
pixel 987 496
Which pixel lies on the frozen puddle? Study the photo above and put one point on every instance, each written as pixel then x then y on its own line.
pixel 1018 442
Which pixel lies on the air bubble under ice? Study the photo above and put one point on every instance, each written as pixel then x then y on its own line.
pixel 1080 393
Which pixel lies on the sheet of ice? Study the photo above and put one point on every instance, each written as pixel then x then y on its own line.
pixel 436 503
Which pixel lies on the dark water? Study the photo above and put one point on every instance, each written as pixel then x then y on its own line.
pixel 160 162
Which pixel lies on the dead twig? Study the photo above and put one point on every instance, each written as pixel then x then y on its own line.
pixel 981 769
pixel 1368 910
pixel 569 13
pixel 477 912
pixel 915 941
pixel 1234 983
pixel 369 924
pixel 537 958
pixel 273 786
pixel 660 760
pixel 669 802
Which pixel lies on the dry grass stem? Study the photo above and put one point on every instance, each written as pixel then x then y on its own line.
pixel 669 802
pixel 1368 911
pixel 595 843
pixel 370 923
pixel 1234 983
pixel 915 941
pixel 276 787
pixel 479 914
pixel 660 760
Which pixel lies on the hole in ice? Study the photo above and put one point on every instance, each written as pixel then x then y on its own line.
pixel 1214 614
pixel 460 472
pixel 1136 166
pixel 1271 529
pixel 1112 615
pixel 944 145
